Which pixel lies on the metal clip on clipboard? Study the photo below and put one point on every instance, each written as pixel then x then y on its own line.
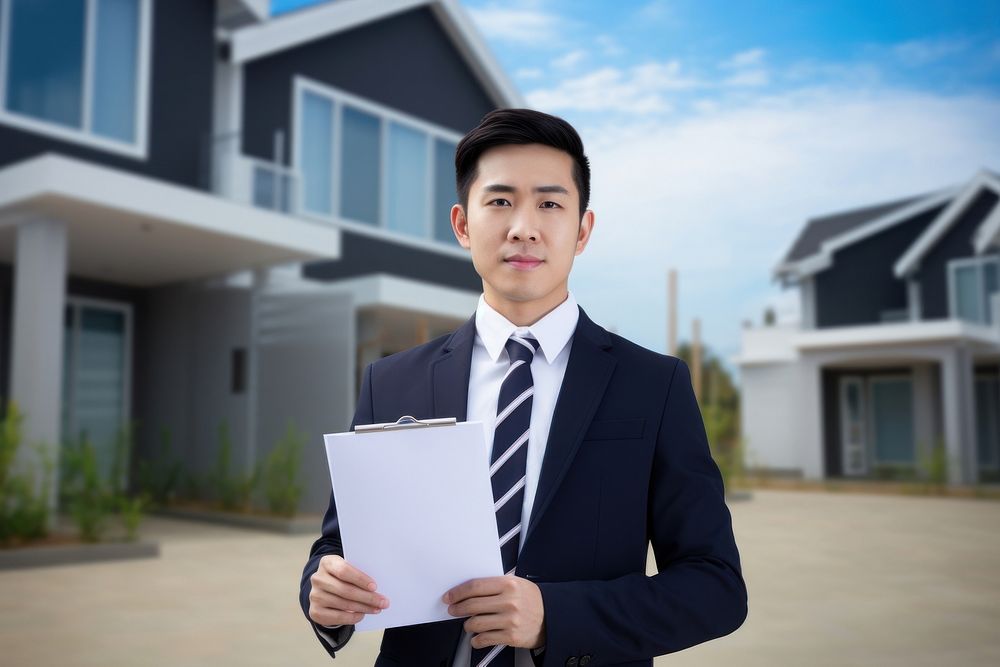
pixel 405 421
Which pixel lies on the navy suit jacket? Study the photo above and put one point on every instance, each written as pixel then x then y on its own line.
pixel 627 464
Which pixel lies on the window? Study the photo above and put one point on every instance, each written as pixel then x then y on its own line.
pixel 76 70
pixel 972 281
pixel 365 163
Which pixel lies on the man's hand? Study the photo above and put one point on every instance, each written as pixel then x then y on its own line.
pixel 342 594
pixel 502 610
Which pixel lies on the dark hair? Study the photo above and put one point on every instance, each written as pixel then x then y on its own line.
pixel 519 126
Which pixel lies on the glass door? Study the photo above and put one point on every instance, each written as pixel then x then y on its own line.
pixel 853 426
pixel 96 376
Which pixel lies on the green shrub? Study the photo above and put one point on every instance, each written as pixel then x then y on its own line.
pixel 281 472
pixel 932 467
pixel 160 477
pixel 87 496
pixel 24 506
pixel 233 489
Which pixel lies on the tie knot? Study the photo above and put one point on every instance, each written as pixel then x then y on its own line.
pixel 520 348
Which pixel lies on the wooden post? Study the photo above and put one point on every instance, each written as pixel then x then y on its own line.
pixel 696 357
pixel 672 312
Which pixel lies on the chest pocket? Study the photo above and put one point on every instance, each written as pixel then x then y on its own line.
pixel 615 429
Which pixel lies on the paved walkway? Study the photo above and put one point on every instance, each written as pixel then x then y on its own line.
pixel 834 580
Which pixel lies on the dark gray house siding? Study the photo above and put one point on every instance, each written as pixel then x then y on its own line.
pixel 406 62
pixel 957 242
pixel 363 255
pixel 180 107
pixel 861 285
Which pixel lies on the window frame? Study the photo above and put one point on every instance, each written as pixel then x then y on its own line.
pixel 385 115
pixel 84 135
pixel 977 263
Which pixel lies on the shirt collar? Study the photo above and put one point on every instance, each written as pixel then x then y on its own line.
pixel 552 332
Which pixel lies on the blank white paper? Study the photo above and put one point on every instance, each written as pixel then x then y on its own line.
pixel 416 514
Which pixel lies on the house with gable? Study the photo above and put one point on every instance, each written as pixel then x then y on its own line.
pixel 898 348
pixel 211 217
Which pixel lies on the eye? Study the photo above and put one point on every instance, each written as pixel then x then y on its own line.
pixel 550 204
pixel 498 202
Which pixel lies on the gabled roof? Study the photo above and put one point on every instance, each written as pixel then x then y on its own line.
pixel 813 249
pixel 299 27
pixel 826 227
pixel 910 260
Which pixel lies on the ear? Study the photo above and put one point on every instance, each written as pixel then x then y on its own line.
pixel 460 225
pixel 586 227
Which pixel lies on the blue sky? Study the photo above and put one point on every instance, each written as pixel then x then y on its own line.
pixel 715 129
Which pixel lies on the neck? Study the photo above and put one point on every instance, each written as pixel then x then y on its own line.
pixel 525 313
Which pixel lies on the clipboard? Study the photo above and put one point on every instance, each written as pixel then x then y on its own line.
pixel 415 510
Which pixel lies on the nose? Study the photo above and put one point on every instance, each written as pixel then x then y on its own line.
pixel 523 228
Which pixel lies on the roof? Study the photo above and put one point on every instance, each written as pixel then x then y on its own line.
pixel 826 227
pixel 295 28
pixel 985 179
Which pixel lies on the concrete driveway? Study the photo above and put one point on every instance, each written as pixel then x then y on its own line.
pixel 834 579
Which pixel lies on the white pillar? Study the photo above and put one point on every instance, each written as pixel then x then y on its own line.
pixel 959 415
pixel 809 419
pixel 37 340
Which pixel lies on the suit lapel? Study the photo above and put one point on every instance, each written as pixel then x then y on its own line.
pixel 587 374
pixel 450 373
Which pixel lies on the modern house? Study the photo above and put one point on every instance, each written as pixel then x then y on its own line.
pixel 210 215
pixel 898 349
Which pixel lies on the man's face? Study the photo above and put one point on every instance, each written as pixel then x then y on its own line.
pixel 523 225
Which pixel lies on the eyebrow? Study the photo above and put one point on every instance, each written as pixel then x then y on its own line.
pixel 500 187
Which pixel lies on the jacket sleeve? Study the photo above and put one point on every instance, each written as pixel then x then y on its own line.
pixel 329 542
pixel 698 592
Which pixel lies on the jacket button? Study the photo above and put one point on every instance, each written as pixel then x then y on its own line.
pixel 571 662
pixel 585 660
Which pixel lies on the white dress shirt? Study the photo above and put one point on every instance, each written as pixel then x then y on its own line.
pixel 554 333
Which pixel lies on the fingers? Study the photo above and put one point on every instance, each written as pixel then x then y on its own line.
pixel 333 617
pixel 477 588
pixel 337 577
pixel 493 604
pixel 341 569
pixel 321 598
pixel 488 639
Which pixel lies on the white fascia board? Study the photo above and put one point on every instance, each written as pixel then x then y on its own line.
pixel 259 8
pixel 823 258
pixel 881 335
pixel 986 235
pixel 56 175
pixel 257 41
pixel 407 294
pixel 911 258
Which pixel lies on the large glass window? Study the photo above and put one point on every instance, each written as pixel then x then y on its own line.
pixel 384 168
pixel 74 68
pixel 444 190
pixel 316 149
pixel 972 283
pixel 892 419
pixel 407 180
pixel 359 183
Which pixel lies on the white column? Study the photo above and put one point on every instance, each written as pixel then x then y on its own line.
pixel 37 340
pixel 809 419
pixel 959 415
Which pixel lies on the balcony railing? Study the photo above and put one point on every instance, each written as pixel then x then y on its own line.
pixel 251 180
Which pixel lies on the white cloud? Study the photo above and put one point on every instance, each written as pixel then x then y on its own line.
pixel 641 89
pixel 747 79
pixel 743 59
pixel 526 73
pixel 919 52
pixel 722 195
pixel 611 48
pixel 570 60
pixel 524 25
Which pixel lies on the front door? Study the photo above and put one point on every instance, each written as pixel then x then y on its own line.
pixel 95 401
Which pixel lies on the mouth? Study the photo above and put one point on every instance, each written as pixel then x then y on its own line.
pixel 523 262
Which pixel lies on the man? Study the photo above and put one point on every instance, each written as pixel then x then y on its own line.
pixel 597 445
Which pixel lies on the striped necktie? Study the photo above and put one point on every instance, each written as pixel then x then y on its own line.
pixel 507 469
